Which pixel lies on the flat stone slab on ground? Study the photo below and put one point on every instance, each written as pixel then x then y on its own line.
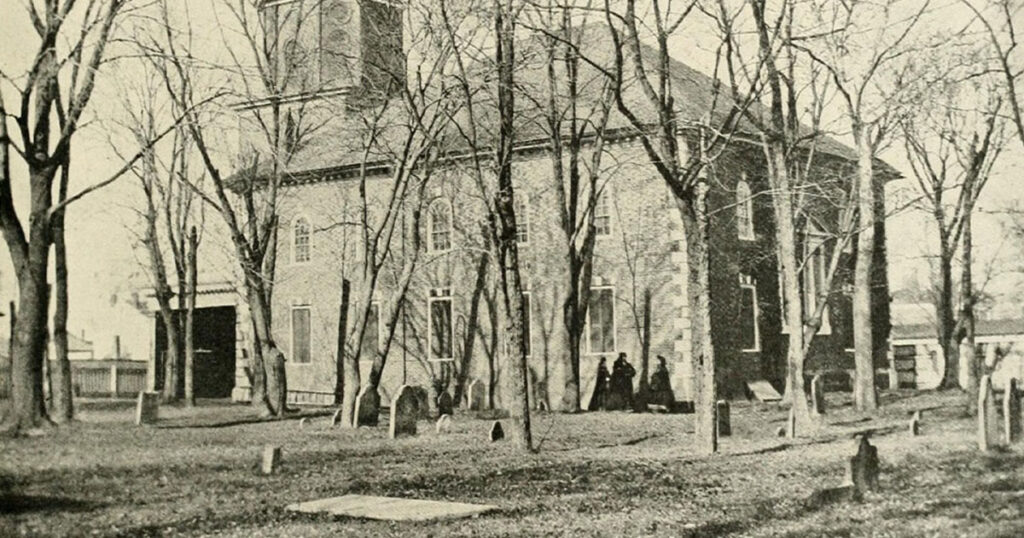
pixel 390 508
pixel 764 391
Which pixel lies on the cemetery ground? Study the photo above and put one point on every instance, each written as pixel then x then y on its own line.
pixel 607 473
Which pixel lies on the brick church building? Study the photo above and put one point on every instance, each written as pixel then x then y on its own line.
pixel 450 327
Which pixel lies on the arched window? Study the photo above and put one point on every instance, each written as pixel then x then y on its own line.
pixel 439 226
pixel 744 211
pixel 301 240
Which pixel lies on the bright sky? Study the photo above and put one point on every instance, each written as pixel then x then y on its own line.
pixel 101 227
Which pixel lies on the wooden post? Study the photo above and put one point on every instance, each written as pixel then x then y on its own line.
pixel 113 380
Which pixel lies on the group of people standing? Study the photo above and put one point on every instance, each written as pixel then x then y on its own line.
pixel 614 391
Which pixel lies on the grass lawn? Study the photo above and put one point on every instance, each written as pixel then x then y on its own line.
pixel 610 474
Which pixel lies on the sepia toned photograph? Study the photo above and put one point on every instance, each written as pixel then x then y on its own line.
pixel 682 268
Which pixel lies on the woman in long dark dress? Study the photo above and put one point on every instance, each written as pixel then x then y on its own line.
pixel 661 386
pixel 622 384
pixel 601 387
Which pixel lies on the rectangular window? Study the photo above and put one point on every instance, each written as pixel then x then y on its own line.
pixel 814 279
pixel 527 318
pixel 744 211
pixel 602 216
pixel 522 221
pixel 601 320
pixel 300 334
pixel 750 337
pixel 440 321
pixel 371 338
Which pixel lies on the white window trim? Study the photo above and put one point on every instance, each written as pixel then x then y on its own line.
pixel 291 333
pixel 615 324
pixel 745 232
pixel 746 281
pixel 826 314
pixel 430 226
pixel 293 229
pixel 430 328
pixel 605 195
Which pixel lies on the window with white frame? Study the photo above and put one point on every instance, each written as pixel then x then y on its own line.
pixel 749 326
pixel 601 320
pixel 527 318
pixel 815 277
pixel 300 352
pixel 522 219
pixel 440 226
pixel 602 215
pixel 744 211
pixel 371 338
pixel 439 318
pixel 301 244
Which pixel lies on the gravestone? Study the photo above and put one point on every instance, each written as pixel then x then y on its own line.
pixel 764 391
pixel 1011 411
pixel 367 410
pixel 303 421
pixel 445 405
pixel 915 424
pixel 988 419
pixel 817 396
pixel 443 424
pixel 404 412
pixel 336 418
pixel 780 431
pixel 862 467
pixel 542 405
pixel 271 459
pixel 422 401
pixel 147 408
pixel 791 423
pixel 497 432
pixel 724 419
pixel 476 395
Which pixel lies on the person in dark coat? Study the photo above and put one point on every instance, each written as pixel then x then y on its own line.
pixel 661 386
pixel 599 399
pixel 622 384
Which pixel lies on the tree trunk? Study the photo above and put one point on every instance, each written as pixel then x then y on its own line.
pixel 645 352
pixel 8 364
pixel 275 390
pixel 339 357
pixel 864 394
pixel 469 342
pixel 948 340
pixel 62 405
pixel 28 406
pixel 695 226
pixel 192 262
pixel 351 370
pixel 975 365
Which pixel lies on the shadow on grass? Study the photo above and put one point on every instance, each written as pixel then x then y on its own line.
pixel 208 423
pixel 14 503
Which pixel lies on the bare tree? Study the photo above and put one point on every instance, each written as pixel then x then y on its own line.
pixel 59 82
pixel 999 27
pixel 952 142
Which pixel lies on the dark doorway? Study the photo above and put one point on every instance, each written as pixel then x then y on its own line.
pixel 215 352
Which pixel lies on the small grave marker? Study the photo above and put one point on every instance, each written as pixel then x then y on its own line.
pixel 1011 411
pixel 443 424
pixel 445 405
pixel 147 408
pixel 336 418
pixel 404 411
pixel 271 459
pixel 764 391
pixel 724 420
pixel 988 421
pixel 915 424
pixel 422 402
pixel 791 423
pixel 780 431
pixel 817 396
pixel 367 410
pixel 476 395
pixel 303 422
pixel 862 467
pixel 497 432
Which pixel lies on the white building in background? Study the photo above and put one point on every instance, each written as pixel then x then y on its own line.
pixel 920 360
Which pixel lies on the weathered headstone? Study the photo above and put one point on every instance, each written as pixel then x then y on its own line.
pixel 367 410
pixel 422 401
pixel 443 424
pixel 791 423
pixel 476 395
pixel 336 418
pixel 988 420
pixel 445 405
pixel 542 405
pixel 303 422
pixel 817 396
pixel 780 431
pixel 497 432
pixel 862 467
pixel 271 459
pixel 147 408
pixel 1011 411
pixel 404 412
pixel 764 391
pixel 724 419
pixel 915 424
